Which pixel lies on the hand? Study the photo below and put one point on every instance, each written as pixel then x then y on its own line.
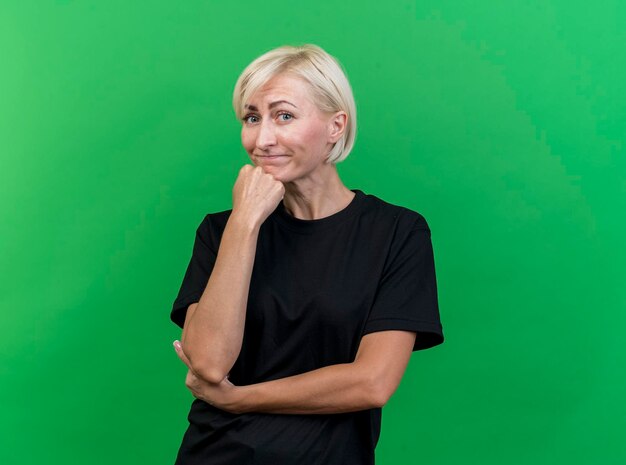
pixel 256 194
pixel 222 395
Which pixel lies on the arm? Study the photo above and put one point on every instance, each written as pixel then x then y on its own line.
pixel 367 382
pixel 213 329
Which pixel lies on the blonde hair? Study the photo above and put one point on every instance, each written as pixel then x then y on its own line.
pixel 328 82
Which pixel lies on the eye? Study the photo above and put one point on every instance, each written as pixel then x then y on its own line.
pixel 246 119
pixel 290 116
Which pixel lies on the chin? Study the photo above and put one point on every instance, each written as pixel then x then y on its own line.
pixel 275 171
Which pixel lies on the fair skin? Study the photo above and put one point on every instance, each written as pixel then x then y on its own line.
pixel 287 139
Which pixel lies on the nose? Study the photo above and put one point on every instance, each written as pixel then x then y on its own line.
pixel 265 137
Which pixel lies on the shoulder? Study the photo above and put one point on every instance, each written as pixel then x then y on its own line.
pixel 400 217
pixel 216 220
pixel 212 227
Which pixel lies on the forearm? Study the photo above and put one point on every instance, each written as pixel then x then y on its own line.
pixel 338 388
pixel 213 334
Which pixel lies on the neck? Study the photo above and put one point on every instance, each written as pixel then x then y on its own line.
pixel 318 198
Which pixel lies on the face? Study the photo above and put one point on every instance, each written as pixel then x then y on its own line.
pixel 285 133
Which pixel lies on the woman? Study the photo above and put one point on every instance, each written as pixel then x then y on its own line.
pixel 302 304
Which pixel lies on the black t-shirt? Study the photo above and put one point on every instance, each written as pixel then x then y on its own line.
pixel 317 287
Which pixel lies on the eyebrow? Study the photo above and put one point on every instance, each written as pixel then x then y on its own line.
pixel 272 105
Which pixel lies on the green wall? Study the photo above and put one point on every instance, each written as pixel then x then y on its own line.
pixel 501 122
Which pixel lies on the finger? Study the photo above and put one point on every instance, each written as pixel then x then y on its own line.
pixel 190 380
pixel 181 355
pixel 179 351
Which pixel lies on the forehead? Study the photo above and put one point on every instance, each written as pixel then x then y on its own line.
pixel 283 86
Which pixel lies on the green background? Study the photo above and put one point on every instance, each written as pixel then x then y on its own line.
pixel 501 122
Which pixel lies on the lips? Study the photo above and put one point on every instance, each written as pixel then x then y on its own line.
pixel 272 159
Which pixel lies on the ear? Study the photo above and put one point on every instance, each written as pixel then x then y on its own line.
pixel 337 126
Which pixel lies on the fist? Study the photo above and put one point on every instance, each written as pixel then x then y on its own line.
pixel 256 194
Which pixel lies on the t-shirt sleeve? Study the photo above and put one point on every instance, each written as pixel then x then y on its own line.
pixel 197 274
pixel 406 298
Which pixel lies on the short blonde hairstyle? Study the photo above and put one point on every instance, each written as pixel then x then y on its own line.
pixel 329 86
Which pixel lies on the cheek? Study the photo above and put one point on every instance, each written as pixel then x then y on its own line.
pixel 316 139
pixel 310 138
pixel 247 140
